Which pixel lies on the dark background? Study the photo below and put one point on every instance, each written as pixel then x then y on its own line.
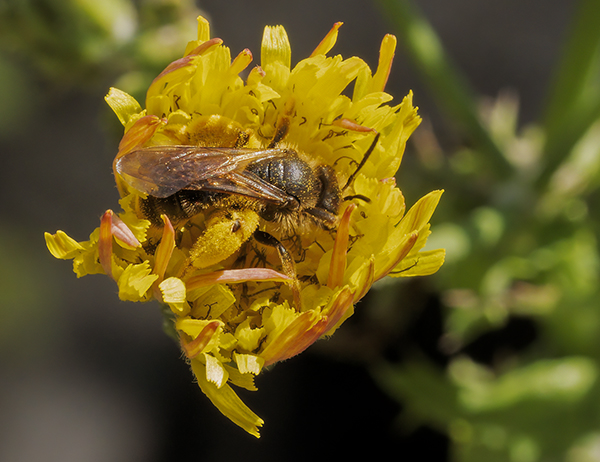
pixel 86 377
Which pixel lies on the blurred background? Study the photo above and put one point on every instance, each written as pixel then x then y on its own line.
pixel 494 358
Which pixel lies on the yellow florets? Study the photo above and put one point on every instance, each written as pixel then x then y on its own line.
pixel 235 305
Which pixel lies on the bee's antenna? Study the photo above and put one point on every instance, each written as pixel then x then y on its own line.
pixel 363 161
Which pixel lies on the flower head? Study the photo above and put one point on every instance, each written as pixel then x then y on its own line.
pixel 253 270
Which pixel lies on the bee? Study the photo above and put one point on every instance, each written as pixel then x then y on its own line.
pixel 238 186
pixel 278 184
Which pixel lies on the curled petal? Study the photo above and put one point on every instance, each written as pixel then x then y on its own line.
pixel 163 252
pixel 123 104
pixel 351 125
pixel 139 133
pixel 122 232
pixel 295 338
pixel 105 243
pixel 338 257
pixel 196 346
pixel 328 42
pixel 235 276
pixel 241 61
pixel 338 310
pixel 187 61
pixel 367 279
pixel 402 251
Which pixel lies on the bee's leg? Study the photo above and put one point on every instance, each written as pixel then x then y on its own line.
pixel 226 231
pixel 289 268
pixel 283 123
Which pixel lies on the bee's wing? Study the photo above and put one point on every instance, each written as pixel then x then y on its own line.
pixel 161 171
pixel 247 184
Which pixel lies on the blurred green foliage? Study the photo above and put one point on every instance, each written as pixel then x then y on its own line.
pixel 521 221
pixel 86 44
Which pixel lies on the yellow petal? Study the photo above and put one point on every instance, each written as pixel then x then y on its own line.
pixel 248 363
pixel 174 294
pixel 204 333
pixel 210 302
pixel 328 42
pixel 135 281
pixel 241 61
pixel 203 29
pixel 363 278
pixel 226 401
pixel 420 213
pixel 338 311
pixel 396 250
pixel 340 247
pixel 275 48
pixel 241 380
pixel 105 243
pixel 123 104
pixel 248 337
pixel 423 264
pixel 295 338
pixel 235 276
pixel 62 246
pixel 276 56
pixel 215 372
pixel 123 234
pixel 386 56
pixel 164 249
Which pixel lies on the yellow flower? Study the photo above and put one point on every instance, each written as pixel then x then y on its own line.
pixel 237 304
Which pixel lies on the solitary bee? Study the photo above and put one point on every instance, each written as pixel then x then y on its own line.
pixel 240 186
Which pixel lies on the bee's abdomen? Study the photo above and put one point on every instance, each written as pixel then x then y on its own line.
pixel 293 176
pixel 179 206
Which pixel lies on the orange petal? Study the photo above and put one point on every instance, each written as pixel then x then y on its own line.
pixel 340 246
pixel 195 347
pixel 411 239
pixel 328 42
pixel 367 282
pixel 338 309
pixel 122 232
pixel 241 61
pixel 139 133
pixel 105 243
pixel 295 338
pixel 186 60
pixel 163 254
pixel 235 276
pixel 351 125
